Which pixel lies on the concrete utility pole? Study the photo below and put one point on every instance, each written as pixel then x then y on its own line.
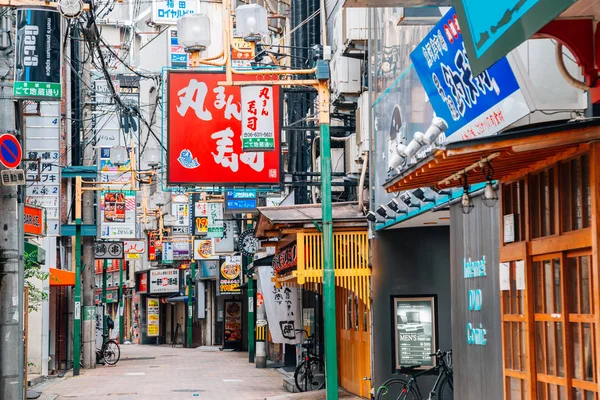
pixel 11 332
pixel 89 262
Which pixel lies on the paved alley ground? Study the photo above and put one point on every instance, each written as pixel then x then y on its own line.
pixel 162 372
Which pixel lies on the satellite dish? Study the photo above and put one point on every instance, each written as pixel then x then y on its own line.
pixel 70 8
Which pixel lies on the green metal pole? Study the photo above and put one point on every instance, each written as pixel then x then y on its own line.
pixel 121 313
pixel 77 300
pixel 104 277
pixel 190 302
pixel 329 317
pixel 246 261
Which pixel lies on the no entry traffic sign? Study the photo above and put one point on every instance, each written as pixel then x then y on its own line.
pixel 10 151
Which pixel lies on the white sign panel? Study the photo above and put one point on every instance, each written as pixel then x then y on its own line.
pixel 215 220
pixel 181 213
pixel 43 176
pixel 226 243
pixel 169 11
pixel 258 124
pixel 134 246
pixel 164 281
pixel 282 307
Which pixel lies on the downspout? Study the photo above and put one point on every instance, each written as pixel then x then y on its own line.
pixel 361 183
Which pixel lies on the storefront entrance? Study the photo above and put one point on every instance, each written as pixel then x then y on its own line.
pixel 550 310
pixel 353 342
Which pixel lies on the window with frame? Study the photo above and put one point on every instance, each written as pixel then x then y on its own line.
pixel 542 202
pixel 575 194
pixel 513 203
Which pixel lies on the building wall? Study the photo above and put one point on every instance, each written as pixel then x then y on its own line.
pixel 411 261
pixel 477 367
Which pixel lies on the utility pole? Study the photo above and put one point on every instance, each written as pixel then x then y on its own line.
pixel 11 333
pixel 121 301
pixel 87 151
pixel 190 304
pixel 246 261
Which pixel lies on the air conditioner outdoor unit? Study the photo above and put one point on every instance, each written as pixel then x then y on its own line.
pixel 352 155
pixel 345 75
pixel 350 26
pixel 421 15
pixel 363 123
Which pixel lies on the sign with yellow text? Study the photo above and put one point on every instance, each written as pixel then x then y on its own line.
pixel 153 315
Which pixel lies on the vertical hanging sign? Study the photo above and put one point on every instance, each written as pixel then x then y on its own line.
pixel 258 125
pixel 37 55
pixel 216 228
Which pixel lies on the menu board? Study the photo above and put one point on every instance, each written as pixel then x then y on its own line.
pixel 153 317
pixel 414 329
pixel 233 322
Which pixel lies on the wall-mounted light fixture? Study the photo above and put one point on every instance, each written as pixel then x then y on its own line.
pixel 420 194
pixel 407 199
pixel 466 203
pixel 372 217
pixel 383 212
pixel 490 196
pixel 395 207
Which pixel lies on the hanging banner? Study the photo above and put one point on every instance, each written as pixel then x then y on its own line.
pixel 230 275
pixel 38 55
pixel 214 155
pixel 153 317
pixel 258 125
pixel 282 307
pixel 473 106
pixel 215 220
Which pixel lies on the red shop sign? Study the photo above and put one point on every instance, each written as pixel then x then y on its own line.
pixel 204 134
pixel 285 260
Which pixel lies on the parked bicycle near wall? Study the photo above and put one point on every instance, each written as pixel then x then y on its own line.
pixel 109 353
pixel 407 387
pixel 310 373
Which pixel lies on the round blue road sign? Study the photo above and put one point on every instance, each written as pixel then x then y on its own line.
pixel 10 151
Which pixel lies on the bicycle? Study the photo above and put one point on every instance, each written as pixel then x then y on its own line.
pixel 403 389
pixel 109 352
pixel 310 373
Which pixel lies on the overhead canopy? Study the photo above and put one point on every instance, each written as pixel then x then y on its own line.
pixel 272 219
pixel 61 277
pixel 511 155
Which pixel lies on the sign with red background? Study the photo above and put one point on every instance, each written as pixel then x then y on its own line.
pixel 204 134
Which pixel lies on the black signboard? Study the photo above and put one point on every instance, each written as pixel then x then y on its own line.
pixel 414 330
pixel 37 55
pixel 107 250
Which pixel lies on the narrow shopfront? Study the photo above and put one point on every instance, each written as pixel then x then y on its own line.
pixel 298 226
pixel 547 272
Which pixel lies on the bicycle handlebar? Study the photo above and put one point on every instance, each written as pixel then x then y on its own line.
pixel 440 353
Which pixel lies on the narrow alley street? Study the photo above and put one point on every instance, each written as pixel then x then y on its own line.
pixel 163 372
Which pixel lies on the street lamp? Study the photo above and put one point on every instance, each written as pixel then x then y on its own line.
pixel 251 22
pixel 118 156
pixel 152 157
pixel 193 33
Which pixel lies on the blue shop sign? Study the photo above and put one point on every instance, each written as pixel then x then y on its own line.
pixel 241 193
pixel 240 204
pixel 473 106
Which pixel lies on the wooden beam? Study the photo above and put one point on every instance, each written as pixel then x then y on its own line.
pixel 544 163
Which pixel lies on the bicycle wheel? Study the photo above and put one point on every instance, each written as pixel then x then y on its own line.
pixel 447 389
pixel 396 389
pixel 310 375
pixel 111 352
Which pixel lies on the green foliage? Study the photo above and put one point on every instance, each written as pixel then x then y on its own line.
pixel 33 270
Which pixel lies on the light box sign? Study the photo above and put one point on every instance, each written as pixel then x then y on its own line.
pixel 494 28
pixel 169 11
pixel 473 106
pixel 33 220
pixel 205 134
pixel 164 280
pixel 38 55
pixel 241 200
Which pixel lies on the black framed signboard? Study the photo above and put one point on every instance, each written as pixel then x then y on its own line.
pixel 414 327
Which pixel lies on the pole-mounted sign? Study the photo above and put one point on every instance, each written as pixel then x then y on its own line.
pixel 38 55
pixel 105 250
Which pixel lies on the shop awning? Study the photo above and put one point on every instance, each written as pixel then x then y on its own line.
pixel 273 220
pixel 511 155
pixel 61 277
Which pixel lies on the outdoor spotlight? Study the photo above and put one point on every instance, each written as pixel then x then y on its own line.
pixel 407 199
pixel 383 212
pixel 251 22
pixel 193 32
pixel 466 204
pixel 442 192
pixel 153 157
pixel 415 144
pixel 397 160
pixel 490 197
pixel 372 217
pixel 70 8
pixel 438 125
pixel 395 207
pixel 420 194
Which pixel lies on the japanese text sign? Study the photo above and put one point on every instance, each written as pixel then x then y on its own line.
pixel 164 280
pixel 153 317
pixel 33 220
pixel 230 275
pixel 204 249
pixel 493 28
pixel 169 11
pixel 285 260
pixel 205 134
pixel 258 126
pixel 473 106
pixel 216 228
pixel 37 55
pixel 241 200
